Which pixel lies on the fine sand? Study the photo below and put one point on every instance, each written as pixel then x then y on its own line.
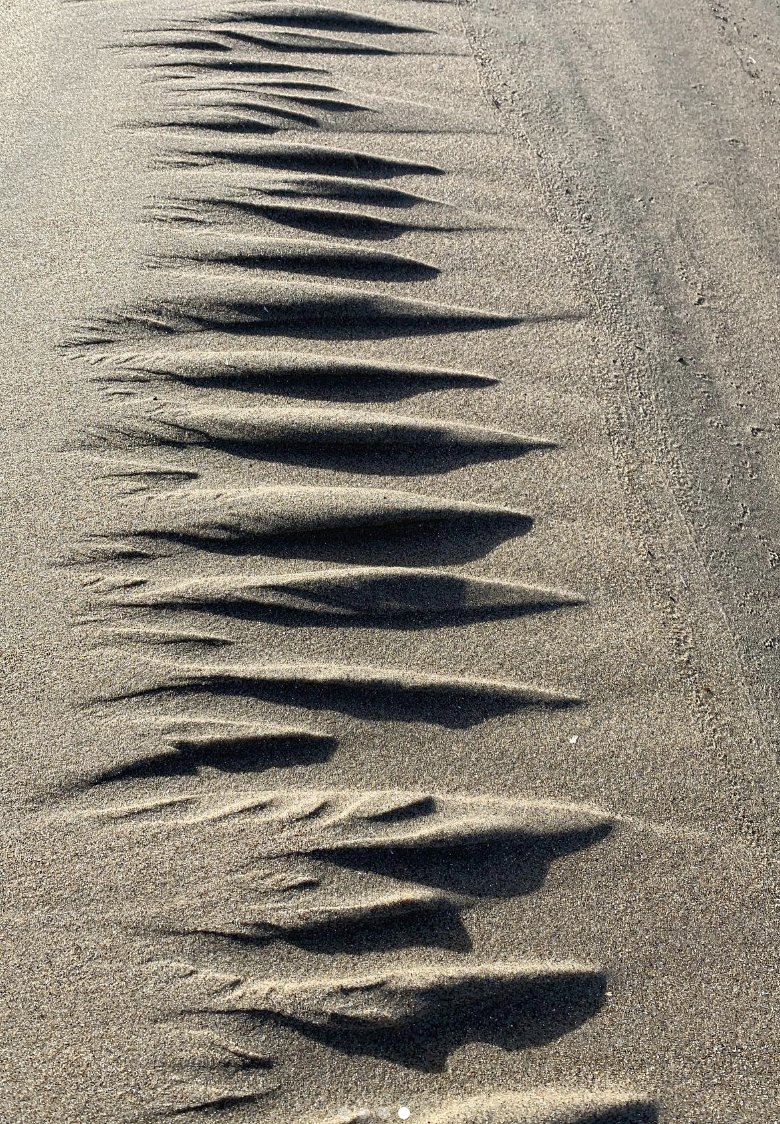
pixel 388 489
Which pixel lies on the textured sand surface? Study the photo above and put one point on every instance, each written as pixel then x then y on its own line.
pixel 389 491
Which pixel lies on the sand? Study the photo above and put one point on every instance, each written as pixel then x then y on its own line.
pixel 388 493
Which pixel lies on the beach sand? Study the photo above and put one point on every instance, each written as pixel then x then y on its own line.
pixel 389 662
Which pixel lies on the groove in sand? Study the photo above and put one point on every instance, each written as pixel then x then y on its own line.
pixel 385 594
pixel 192 744
pixel 309 159
pixel 368 441
pixel 376 692
pixel 292 309
pixel 284 372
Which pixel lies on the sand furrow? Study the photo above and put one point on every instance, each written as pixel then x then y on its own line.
pixel 284 373
pixel 359 441
pixel 370 692
pixel 306 159
pixel 404 596
pixel 299 256
pixel 315 18
pixel 317 921
pixel 188 745
pixel 409 1007
pixel 353 823
pixel 304 310
pixel 550 1105
pixel 310 521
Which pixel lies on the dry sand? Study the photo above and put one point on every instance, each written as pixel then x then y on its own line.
pixel 389 429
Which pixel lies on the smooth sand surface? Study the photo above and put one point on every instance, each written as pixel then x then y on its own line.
pixel 389 480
